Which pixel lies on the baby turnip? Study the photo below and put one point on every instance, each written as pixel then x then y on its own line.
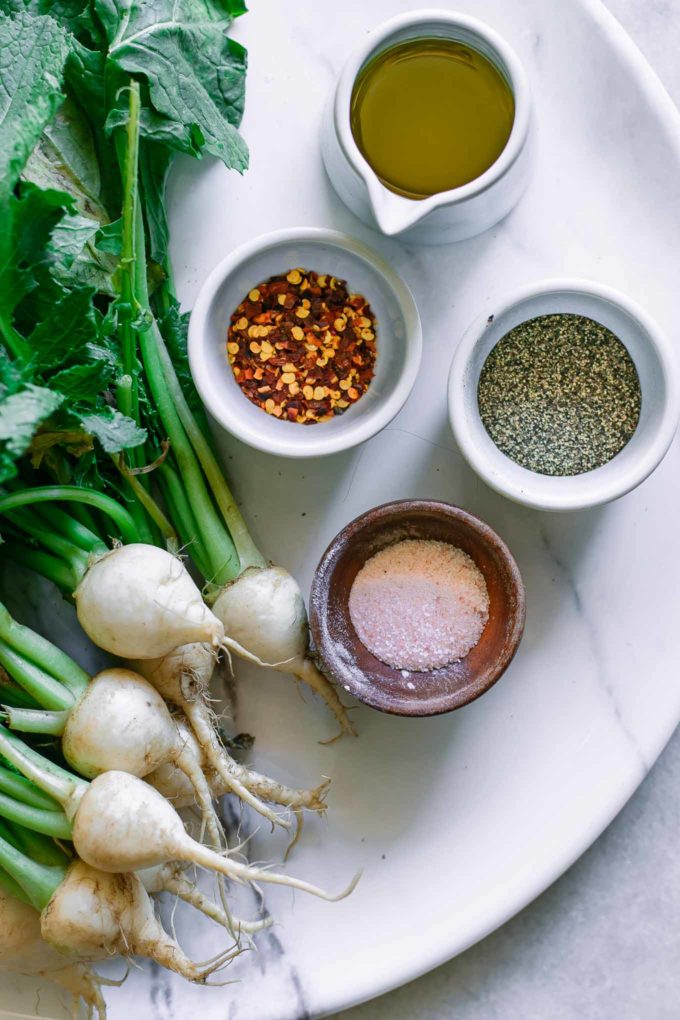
pixel 95 914
pixel 122 824
pixel 23 951
pixel 263 610
pixel 140 602
pixel 121 722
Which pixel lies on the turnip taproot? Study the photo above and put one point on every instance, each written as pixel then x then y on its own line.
pixel 171 878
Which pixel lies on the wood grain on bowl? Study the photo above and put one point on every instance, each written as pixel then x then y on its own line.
pixel 349 664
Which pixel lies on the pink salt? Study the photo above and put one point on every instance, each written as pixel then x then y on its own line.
pixel 419 604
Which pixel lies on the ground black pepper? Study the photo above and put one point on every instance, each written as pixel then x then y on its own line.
pixel 559 394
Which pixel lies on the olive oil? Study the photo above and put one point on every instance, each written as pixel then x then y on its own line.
pixel 429 115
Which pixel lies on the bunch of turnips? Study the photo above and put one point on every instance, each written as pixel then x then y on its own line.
pixel 110 489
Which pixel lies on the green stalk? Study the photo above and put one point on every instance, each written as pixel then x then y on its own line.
pixel 150 505
pixel 72 529
pixel 32 525
pixel 40 848
pixel 23 790
pixel 138 510
pixel 50 823
pixel 13 888
pixel 181 512
pixel 48 692
pixel 12 694
pixel 43 653
pixel 35 720
pixel 64 787
pixel 220 550
pixel 38 881
pixel 248 553
pixel 48 566
pixel 71 493
pixel 127 260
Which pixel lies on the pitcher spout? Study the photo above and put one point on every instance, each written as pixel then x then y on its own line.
pixel 393 213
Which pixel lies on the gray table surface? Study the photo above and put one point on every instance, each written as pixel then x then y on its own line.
pixel 603 943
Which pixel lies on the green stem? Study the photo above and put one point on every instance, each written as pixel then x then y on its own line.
pixel 38 881
pixel 48 692
pixel 150 505
pixel 23 790
pixel 55 570
pixel 31 524
pixel 13 888
pixel 224 563
pixel 50 823
pixel 14 342
pixel 72 529
pixel 40 848
pixel 12 694
pixel 71 493
pixel 248 553
pixel 43 653
pixel 138 510
pixel 128 252
pixel 32 720
pixel 181 512
pixel 64 787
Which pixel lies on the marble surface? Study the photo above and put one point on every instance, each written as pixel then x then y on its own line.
pixel 461 820
pixel 604 940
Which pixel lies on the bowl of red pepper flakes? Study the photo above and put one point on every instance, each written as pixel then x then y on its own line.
pixel 304 327
pixel 302 347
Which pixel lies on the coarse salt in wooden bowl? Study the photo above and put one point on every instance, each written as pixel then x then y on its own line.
pixel 349 664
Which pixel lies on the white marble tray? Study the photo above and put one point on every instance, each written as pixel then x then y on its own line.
pixel 462 820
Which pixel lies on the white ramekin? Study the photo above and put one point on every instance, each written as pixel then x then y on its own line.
pixel 656 366
pixel 398 334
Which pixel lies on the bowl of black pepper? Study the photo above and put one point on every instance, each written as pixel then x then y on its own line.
pixel 564 396
pixel 304 342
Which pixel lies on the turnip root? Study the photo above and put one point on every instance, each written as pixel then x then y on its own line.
pixel 183 678
pixel 139 602
pixel 23 951
pixel 122 824
pixel 121 722
pixel 263 610
pixel 171 878
pixel 94 914
pixel 169 780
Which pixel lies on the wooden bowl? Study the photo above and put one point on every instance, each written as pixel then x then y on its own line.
pixel 350 665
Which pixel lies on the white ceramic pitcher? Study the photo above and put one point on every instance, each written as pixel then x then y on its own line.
pixel 450 215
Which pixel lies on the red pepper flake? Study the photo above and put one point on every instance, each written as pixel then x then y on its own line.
pixel 302 347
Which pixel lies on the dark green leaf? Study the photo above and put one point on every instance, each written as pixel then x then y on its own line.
pixel 114 430
pixel 26 223
pixel 65 158
pixel 82 382
pixel 110 238
pixel 154 166
pixel 63 336
pixel 33 52
pixel 195 73
pixel 20 416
